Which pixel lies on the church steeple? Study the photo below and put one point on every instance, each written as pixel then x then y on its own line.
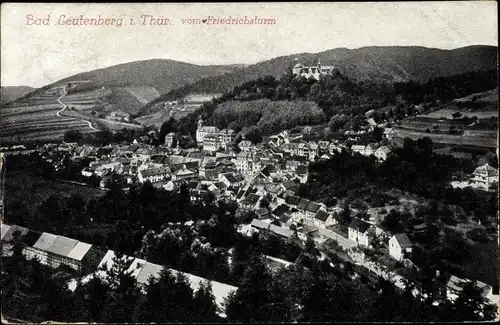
pixel 200 122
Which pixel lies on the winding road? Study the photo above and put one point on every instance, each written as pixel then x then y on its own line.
pixel 64 106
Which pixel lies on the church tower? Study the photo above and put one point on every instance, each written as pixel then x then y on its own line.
pixel 200 122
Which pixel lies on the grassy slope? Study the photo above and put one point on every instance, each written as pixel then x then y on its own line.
pixel 23 185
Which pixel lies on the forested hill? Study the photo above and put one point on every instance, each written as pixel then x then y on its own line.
pixel 379 64
pixel 335 95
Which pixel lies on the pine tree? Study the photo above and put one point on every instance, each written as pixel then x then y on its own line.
pixel 95 293
pixel 252 298
pixel 204 304
pixel 15 285
pixel 124 293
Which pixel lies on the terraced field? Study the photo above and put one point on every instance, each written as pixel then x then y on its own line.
pixel 41 117
pixel 486 139
pixel 437 124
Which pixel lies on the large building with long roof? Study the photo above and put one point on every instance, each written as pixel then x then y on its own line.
pixel 52 250
pixel 143 270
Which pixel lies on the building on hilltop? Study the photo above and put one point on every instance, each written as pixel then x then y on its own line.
pixel 485 177
pixel 315 72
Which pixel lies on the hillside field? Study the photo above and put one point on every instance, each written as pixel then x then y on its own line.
pixel 438 123
pixel 36 118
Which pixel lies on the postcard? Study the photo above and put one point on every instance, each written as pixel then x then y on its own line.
pixel 249 162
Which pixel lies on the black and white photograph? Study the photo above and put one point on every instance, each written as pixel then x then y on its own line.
pixel 281 162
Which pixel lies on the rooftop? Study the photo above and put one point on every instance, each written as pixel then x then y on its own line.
pixel 403 240
pixel 359 225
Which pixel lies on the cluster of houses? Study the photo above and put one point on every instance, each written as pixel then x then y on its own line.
pixel 294 146
pixel 380 152
pixel 119 116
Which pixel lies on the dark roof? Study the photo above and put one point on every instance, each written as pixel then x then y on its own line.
pixel 302 204
pixel 252 199
pixel 301 169
pixel 9 235
pixel 239 177
pixel 262 211
pixel 280 210
pixel 321 215
pixel 294 200
pixel 313 207
pixel 359 225
pixel 31 237
pixel 240 193
pixel 231 178
pixel 192 185
pixel 403 240
pixel 285 217
pixel 268 169
pixel 221 185
pixel 209 165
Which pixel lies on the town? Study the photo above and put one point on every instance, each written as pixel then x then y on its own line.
pixel 263 179
pixel 326 164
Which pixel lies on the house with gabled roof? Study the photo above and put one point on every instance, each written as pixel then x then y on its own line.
pixel 292 201
pixel 52 250
pixel 360 232
pixel 455 286
pixel 302 205
pixel 154 174
pixel 251 202
pixel 312 208
pixel 324 219
pixel 232 179
pixel 399 244
pixel 485 177
pixel 370 149
pixel 143 270
pixel 382 153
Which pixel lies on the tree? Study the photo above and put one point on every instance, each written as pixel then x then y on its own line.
pixel 470 305
pixel 95 294
pixel 15 286
pixel 310 246
pixel 168 127
pixel 72 136
pixel 169 299
pixel 377 134
pixel 247 303
pixel 425 147
pixel 254 136
pixel 393 222
pixel 121 302
pixel 204 304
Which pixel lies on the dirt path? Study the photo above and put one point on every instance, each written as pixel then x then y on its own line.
pixel 64 106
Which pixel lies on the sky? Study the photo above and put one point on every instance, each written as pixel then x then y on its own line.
pixel 36 55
